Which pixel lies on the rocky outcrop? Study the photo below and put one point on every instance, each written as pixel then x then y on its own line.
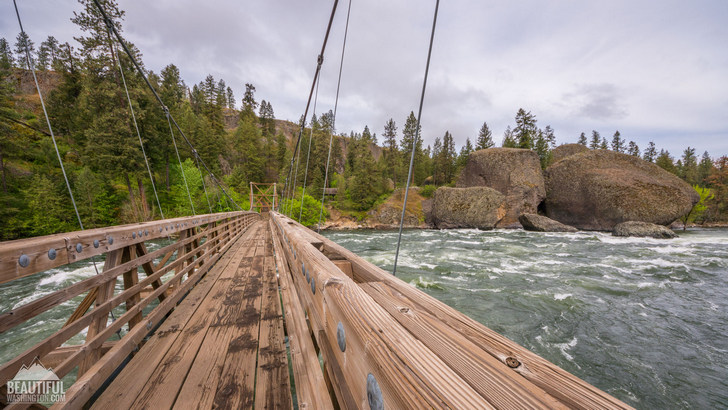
pixel 516 173
pixel 475 207
pixel 599 189
pixel 387 215
pixel 643 229
pixel 567 150
pixel 539 223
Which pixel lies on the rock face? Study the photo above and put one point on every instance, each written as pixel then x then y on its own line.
pixel 516 173
pixel 643 229
pixel 567 150
pixel 387 214
pixel 538 223
pixel 475 207
pixel 599 189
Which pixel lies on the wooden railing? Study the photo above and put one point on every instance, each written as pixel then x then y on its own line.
pixel 170 272
pixel 384 342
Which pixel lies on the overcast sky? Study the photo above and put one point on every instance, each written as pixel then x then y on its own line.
pixel 654 70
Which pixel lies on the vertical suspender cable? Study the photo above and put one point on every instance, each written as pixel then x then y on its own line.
pixel 333 120
pixel 319 62
pixel 308 153
pixel 45 112
pixel 417 136
pixel 136 126
pixel 179 160
pixel 295 180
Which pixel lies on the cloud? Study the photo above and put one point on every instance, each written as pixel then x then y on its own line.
pixel 597 101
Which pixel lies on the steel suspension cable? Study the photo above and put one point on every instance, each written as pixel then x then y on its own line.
pixel 295 180
pixel 184 178
pixel 333 121
pixel 136 126
pixel 417 136
pixel 170 118
pixel 319 62
pixel 308 153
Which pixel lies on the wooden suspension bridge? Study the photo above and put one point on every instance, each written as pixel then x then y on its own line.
pixel 247 310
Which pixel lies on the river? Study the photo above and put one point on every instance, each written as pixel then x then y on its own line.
pixel 643 319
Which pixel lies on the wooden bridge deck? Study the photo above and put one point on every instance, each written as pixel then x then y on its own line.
pixel 223 346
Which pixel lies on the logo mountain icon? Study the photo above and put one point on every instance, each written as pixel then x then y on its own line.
pixel 36 371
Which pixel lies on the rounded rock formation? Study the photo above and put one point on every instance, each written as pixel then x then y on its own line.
pixel 538 223
pixel 567 150
pixel 599 189
pixel 643 229
pixel 514 172
pixel 475 207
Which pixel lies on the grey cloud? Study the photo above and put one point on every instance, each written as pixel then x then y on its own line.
pixel 597 101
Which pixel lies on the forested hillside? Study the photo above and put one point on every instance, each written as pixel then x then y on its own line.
pixel 84 93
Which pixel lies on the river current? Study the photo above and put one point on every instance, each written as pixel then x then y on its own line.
pixel 644 319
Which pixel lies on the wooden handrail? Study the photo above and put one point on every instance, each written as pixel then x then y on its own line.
pixel 24 257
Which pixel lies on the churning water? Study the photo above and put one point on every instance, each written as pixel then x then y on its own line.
pixel 643 319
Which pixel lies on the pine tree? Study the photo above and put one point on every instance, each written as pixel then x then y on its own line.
pixel 665 161
pixel 633 149
pixel 582 139
pixel 6 55
pixel 409 133
pixel 391 153
pixel 23 43
pixel 249 103
pixel 464 154
pixel 230 98
pixel 617 143
pixel 485 138
pixel 650 153
pixel 604 144
pixel 705 167
pixel 525 132
pixel 689 170
pixel 595 140
pixel 508 140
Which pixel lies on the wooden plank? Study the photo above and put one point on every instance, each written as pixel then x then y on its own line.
pixel 83 307
pixel 131 278
pixel 86 385
pixel 237 380
pixel 166 382
pixel 204 376
pixel 273 389
pixel 122 392
pixel 56 357
pixel 311 391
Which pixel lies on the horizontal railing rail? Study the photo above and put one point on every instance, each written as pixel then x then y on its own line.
pixel 170 271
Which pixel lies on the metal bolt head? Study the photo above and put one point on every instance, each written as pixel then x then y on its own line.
pixel 313 285
pixel 160 229
pixel 146 232
pixel 24 260
pixel 374 393
pixel 110 240
pixel 512 362
pixel 133 235
pixel 96 243
pixel 51 254
pixel 79 248
pixel 139 234
pixel 341 336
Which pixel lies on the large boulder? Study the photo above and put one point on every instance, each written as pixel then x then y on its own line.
pixel 643 229
pixel 475 207
pixel 567 150
pixel 514 172
pixel 599 189
pixel 539 223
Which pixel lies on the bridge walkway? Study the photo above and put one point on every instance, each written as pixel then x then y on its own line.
pixel 224 344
